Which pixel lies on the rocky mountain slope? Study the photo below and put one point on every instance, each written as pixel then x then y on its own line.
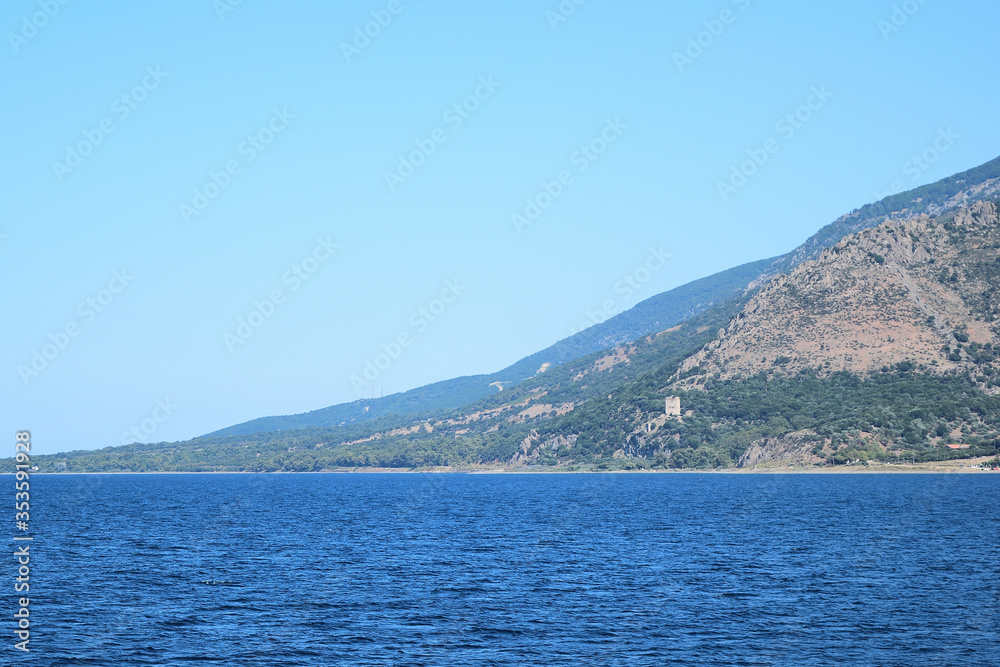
pixel 883 344
pixel 653 315
pixel 486 430
pixel 923 290
pixel 962 189
pixel 886 345
pixel 648 317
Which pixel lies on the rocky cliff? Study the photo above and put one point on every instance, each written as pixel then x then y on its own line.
pixel 923 290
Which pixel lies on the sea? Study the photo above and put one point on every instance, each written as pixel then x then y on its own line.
pixel 511 569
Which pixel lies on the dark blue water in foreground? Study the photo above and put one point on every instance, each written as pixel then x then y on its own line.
pixel 427 569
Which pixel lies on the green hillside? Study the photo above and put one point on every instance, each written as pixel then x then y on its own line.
pixel 601 403
pixel 650 316
pixel 934 198
pixel 315 448
pixel 655 314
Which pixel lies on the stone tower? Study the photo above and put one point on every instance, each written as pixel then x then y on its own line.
pixel 673 406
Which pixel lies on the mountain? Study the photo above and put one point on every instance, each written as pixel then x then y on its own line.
pixel 886 344
pixel 489 429
pixel 925 290
pixel 980 183
pixel 883 344
pixel 650 316
pixel 655 314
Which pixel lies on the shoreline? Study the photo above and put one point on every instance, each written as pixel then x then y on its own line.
pixel 892 469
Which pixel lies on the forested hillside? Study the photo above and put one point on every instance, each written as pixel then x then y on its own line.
pixel 885 344
pixel 650 316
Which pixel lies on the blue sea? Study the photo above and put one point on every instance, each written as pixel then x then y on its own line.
pixel 534 569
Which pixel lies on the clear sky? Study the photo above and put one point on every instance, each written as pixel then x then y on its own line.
pixel 170 168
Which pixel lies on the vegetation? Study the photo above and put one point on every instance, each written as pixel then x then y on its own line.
pixel 655 314
pixel 402 441
pixel 900 412
pixel 648 317
pixel 602 406
pixel 845 417
pixel 931 199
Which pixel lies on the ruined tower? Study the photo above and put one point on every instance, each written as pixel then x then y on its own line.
pixel 673 406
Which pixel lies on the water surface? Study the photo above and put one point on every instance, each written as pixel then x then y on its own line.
pixel 431 569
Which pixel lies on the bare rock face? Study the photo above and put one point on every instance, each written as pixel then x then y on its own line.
pixel 791 449
pixel 973 191
pixel 985 190
pixel 918 290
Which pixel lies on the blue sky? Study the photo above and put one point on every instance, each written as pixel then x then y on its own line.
pixel 170 169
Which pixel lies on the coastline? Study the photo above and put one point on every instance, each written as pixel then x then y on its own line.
pixel 960 467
